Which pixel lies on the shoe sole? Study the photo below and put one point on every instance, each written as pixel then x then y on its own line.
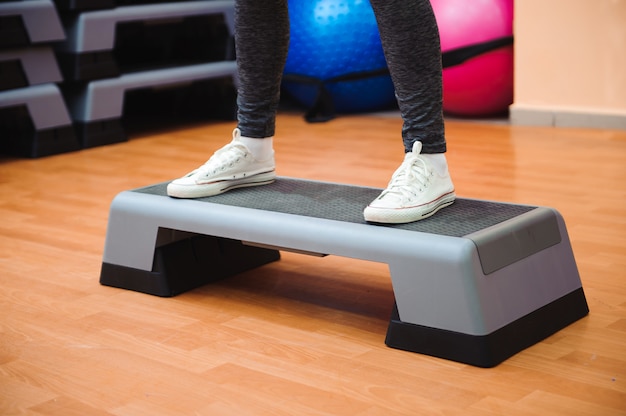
pixel 216 188
pixel 406 215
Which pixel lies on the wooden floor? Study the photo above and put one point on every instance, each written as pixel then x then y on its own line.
pixel 303 336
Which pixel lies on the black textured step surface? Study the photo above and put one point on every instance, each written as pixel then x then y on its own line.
pixel 346 203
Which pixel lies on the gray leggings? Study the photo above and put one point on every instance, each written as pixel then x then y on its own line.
pixel 410 39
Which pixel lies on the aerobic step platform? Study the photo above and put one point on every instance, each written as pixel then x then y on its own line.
pixel 80 5
pixel 476 283
pixel 88 53
pixel 97 107
pixel 95 30
pixel 27 22
pixel 33 65
pixel 35 122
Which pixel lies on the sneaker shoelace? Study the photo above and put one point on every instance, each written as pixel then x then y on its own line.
pixel 226 157
pixel 412 172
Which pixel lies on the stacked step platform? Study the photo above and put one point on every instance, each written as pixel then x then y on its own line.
pixel 34 119
pixel 115 53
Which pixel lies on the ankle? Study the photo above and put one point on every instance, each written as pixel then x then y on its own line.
pixel 438 161
pixel 261 148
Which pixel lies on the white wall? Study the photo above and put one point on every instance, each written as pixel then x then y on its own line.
pixel 570 63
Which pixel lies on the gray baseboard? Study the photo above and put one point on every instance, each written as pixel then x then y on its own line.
pixel 520 115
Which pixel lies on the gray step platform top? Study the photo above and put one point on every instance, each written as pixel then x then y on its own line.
pixel 529 229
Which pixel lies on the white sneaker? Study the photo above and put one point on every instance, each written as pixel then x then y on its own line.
pixel 416 191
pixel 232 166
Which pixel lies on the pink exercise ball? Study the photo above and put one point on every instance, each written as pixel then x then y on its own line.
pixel 477 36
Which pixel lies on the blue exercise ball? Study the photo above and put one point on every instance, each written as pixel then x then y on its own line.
pixel 335 48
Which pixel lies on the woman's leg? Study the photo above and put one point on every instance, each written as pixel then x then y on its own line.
pixel 421 186
pixel 262 42
pixel 410 39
